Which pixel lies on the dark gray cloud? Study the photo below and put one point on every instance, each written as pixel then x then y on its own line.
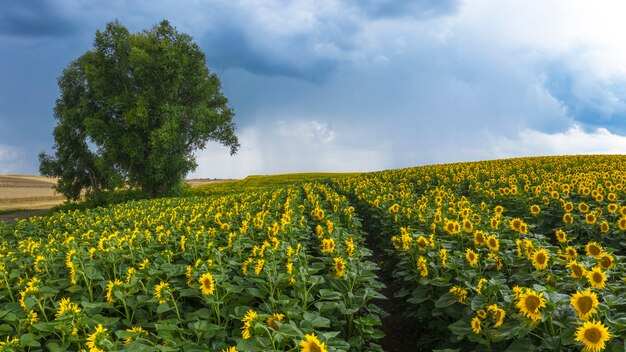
pixel 32 19
pixel 591 102
pixel 419 9
pixel 232 47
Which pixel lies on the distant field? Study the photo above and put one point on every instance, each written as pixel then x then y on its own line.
pixel 27 192
pixel 254 182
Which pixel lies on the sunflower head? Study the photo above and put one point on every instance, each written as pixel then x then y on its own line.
pixel 535 209
pixel 606 261
pixel 584 303
pixel 567 218
pixel 312 344
pixel 476 327
pixel 577 269
pixel 591 218
pixel 207 284
pixel 583 207
pixel 594 249
pixel 493 243
pixel 540 259
pixel 594 335
pixel 596 277
pixel 530 304
pixel 561 236
pixel 479 237
pixel 605 227
pixel 471 256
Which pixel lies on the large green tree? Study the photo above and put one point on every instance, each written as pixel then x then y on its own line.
pixel 133 110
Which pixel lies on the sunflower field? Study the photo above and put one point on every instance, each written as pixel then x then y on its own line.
pixel 505 255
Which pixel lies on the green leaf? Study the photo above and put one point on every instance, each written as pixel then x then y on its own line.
pixel 29 340
pixel 446 300
pixel 521 345
pixel 163 307
pixel 316 320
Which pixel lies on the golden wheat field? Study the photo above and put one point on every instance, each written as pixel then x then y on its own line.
pixel 27 192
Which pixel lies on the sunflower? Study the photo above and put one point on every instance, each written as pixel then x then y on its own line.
pixel 561 236
pixel 593 335
pixel 568 207
pixel 271 321
pixel 578 270
pixel 480 285
pixel 312 344
pixel 530 303
pixel 498 314
pixel 606 261
pixel 247 321
pixel 340 266
pixel 535 209
pixel 94 341
pixel 622 223
pixel 523 228
pixel 111 288
pixel 471 256
pixel 422 266
pixel 481 313
pixel 605 227
pixel 494 222
pixel 244 266
pixel 328 245
pixel 570 253
pixel 612 208
pixel 540 259
pixel 567 218
pixel 160 292
pixel 515 224
pixel 452 227
pixel 444 257
pixel 591 218
pixel 460 293
pixel 596 277
pixel 136 332
pixel 207 284
pixel 468 227
pixel 594 249
pixel 259 266
pixel 479 238
pixel 584 303
pixel 493 243
pixel 422 242
pixel 583 207
pixel 476 328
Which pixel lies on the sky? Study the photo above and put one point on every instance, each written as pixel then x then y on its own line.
pixel 352 85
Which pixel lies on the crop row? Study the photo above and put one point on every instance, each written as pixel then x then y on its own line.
pixel 283 270
pixel 515 255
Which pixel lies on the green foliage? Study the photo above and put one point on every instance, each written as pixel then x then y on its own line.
pixel 132 111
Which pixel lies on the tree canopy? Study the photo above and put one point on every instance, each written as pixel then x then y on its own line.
pixel 133 110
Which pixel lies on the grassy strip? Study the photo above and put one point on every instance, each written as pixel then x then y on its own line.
pixel 258 182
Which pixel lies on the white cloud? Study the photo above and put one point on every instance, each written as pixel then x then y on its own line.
pixel 573 141
pixel 10 160
pixel 292 146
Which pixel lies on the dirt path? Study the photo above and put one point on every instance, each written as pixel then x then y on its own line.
pixel 23 215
